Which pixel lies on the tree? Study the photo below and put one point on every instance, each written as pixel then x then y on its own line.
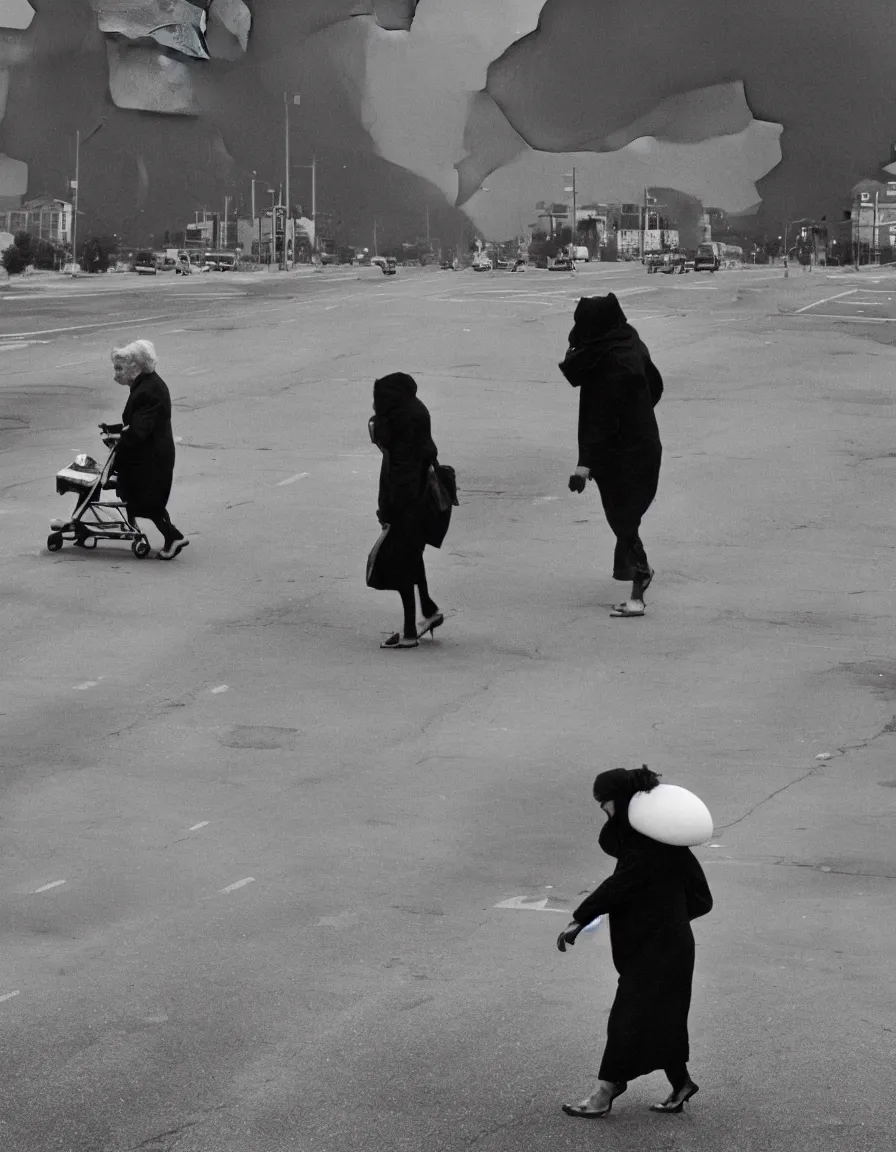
pixel 46 255
pixel 19 254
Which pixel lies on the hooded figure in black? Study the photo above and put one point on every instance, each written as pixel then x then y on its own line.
pixel 400 427
pixel 652 896
pixel 619 442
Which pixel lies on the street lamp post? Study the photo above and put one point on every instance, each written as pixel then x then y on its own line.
pixel 272 193
pixel 572 188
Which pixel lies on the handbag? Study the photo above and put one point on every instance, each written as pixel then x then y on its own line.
pixel 373 580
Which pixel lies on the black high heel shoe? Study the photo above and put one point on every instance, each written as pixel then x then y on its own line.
pixel 590 1113
pixel 675 1102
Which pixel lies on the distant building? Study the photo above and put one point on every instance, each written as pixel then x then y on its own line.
pixel 874 221
pixel 43 218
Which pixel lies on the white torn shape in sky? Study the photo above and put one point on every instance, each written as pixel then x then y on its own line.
pixel 142 78
pixel 229 25
pixel 424 107
pixel 419 85
pixel 720 173
pixel 175 24
pixel 13 173
pixel 15 14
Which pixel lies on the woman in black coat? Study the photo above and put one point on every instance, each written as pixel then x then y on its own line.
pixel 654 893
pixel 400 427
pixel 619 441
pixel 144 461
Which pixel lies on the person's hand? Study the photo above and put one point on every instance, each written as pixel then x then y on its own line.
pixel 579 478
pixel 568 935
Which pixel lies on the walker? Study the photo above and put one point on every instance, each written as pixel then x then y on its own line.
pixel 94 518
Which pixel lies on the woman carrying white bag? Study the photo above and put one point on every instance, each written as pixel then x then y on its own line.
pixel 656 890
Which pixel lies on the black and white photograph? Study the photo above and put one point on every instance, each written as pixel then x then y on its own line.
pixel 448 572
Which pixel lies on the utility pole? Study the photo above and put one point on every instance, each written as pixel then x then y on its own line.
pixel 572 188
pixel 875 255
pixel 286 168
pixel 375 249
pixel 252 182
pixel 428 245
pixel 226 235
pixel 75 183
pixel 314 202
pixel 643 229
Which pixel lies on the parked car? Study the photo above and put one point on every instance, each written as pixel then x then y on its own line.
pixel 145 264
pixel 483 264
pixel 562 264
pixel 707 258
pixel 674 262
pixel 390 268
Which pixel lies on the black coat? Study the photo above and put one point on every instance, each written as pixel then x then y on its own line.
pixel 651 898
pixel 619 387
pixel 145 457
pixel 402 430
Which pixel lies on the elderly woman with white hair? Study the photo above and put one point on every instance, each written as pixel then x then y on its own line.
pixel 145 458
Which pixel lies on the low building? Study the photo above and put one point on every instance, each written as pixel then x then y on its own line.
pixel 874 221
pixel 43 219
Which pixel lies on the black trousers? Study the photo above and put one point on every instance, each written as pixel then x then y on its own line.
pixel 162 521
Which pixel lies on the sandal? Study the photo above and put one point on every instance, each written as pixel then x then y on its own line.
pixel 429 625
pixel 396 640
pixel 625 609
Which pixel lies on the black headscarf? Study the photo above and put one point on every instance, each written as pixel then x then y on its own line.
pixel 393 391
pixel 600 331
pixel 594 317
pixel 620 785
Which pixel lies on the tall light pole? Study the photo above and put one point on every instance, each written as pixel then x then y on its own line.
pixel 272 193
pixel 75 183
pixel 572 188
pixel 295 100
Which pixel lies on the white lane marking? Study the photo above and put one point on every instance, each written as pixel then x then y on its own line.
pixel 239 884
pixel 633 291
pixel 863 303
pixel 292 479
pixel 80 327
pixel 8 996
pixel 20 344
pixel 194 371
pixel 47 887
pixel 524 904
pixel 851 319
pixel 83 687
pixel 201 824
pixel 826 300
pixel 219 689
pixel 697 287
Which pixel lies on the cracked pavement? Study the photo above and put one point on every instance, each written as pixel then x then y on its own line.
pixel 172 732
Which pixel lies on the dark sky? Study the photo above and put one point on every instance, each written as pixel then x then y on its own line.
pixel 823 69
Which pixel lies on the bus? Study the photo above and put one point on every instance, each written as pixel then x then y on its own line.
pixel 220 261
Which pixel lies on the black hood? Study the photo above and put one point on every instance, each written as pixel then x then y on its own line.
pixel 594 317
pixel 393 391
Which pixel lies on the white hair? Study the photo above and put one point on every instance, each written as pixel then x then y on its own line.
pixel 139 352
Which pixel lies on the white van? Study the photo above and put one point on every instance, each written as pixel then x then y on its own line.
pixel 580 253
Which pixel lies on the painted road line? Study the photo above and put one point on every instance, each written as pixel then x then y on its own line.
pixel 826 300
pixel 863 303
pixel 219 689
pixel 47 887
pixel 83 687
pixel 201 824
pixel 527 904
pixel 292 479
pixel 851 319
pixel 634 291
pixel 81 327
pixel 194 371
pixel 239 884
pixel 8 996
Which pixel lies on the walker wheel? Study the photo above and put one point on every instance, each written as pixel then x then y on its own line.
pixel 87 541
pixel 140 548
pixel 54 541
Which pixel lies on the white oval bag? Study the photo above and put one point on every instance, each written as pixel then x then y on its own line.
pixel 671 815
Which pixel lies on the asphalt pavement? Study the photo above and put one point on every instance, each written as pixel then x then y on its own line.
pixel 267 888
